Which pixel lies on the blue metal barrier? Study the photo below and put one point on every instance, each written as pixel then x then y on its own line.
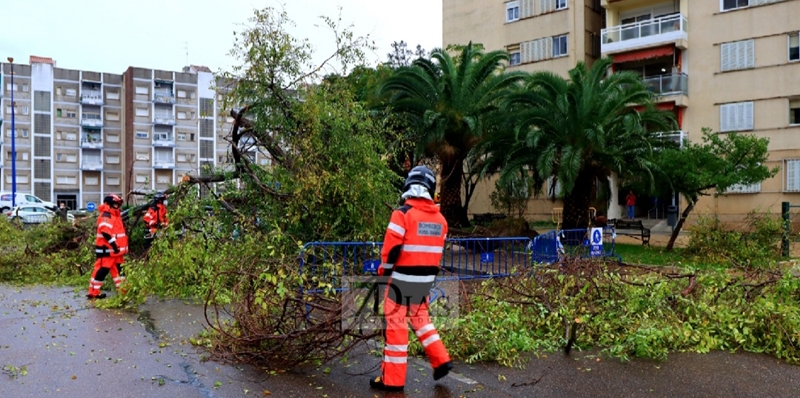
pixel 553 245
pixel 328 263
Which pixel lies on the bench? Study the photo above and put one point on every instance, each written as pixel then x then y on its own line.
pixel 633 228
pixel 484 219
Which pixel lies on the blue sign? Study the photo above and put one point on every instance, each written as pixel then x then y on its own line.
pixel 597 243
pixel 371 266
pixel 91 206
pixel 487 258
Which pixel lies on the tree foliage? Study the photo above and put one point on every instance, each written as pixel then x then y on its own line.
pixel 448 100
pixel 712 166
pixel 578 131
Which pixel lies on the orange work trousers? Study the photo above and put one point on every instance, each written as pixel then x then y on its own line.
pixel 102 267
pixel 395 352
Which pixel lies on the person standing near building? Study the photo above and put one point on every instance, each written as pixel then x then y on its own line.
pixel 411 258
pixel 630 203
pixel 156 216
pixel 110 246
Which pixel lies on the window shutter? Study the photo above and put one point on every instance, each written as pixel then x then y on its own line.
pixel 537 50
pixel 793 175
pixel 747 116
pixel 749 54
pixel 725 113
pixel 548 44
pixel 526 8
pixel 525 52
pixel 725 55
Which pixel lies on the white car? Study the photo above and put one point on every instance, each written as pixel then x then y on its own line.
pixel 21 200
pixel 31 214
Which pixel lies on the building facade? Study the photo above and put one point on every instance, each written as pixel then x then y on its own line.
pixel 81 135
pixel 729 65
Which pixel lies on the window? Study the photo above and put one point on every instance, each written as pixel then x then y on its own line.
pixel 792 175
pixel 141 90
pixel 71 114
pixel 515 59
pixel 25 110
pixel 559 46
pixel 58 112
pixel 90 180
pixel 9 87
pixel 162 179
pixel 112 137
pixel 734 4
pixel 142 112
pixel 163 156
pixel 142 134
pixel 113 95
pixel 737 55
pixel 142 156
pixel 181 157
pixel 59 157
pixel 112 180
pixel 66 180
pixel 72 158
pixel 794 47
pixel 181 136
pixel 191 137
pixel 561 4
pixel 24 87
pixel 71 92
pixel 736 117
pixel 794 111
pixel 740 188
pixel 512 11
pixel 550 189
pixel 112 116
pixel 58 90
pixel 70 136
pixel 17 133
pixel 182 115
pixel 112 159
pixel 20 179
pixel 141 178
pixel 181 93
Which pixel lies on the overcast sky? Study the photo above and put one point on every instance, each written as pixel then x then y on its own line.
pixel 110 35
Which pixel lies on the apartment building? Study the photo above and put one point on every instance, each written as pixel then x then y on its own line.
pixel 730 65
pixel 81 135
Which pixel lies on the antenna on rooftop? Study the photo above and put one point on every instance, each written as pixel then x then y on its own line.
pixel 186 47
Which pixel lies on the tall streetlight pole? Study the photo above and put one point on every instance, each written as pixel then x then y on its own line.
pixel 13 141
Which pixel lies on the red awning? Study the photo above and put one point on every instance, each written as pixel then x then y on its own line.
pixel 664 106
pixel 644 54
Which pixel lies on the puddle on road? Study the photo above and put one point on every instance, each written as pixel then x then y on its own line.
pixel 149 324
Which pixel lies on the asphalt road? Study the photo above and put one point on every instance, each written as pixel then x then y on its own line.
pixel 53 342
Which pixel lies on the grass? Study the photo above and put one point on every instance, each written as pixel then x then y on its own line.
pixel 650 255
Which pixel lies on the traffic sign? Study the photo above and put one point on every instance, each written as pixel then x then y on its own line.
pixel 597 242
pixel 91 206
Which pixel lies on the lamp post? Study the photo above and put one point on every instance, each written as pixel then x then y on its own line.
pixel 13 141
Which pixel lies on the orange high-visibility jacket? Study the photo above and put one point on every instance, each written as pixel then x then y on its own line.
pixel 156 215
pixel 110 233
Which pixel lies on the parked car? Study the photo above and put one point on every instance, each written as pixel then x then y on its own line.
pixel 31 214
pixel 23 199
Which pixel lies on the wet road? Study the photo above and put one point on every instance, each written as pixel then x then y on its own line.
pixel 54 343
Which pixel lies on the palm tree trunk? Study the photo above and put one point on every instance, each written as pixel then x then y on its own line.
pixel 680 223
pixel 576 203
pixel 450 194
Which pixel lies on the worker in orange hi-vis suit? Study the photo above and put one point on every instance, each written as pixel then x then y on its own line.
pixel 156 215
pixel 110 246
pixel 411 258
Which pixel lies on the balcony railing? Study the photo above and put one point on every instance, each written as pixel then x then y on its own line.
pixel 679 136
pixel 651 32
pixel 164 120
pixel 164 98
pixel 92 165
pixel 91 122
pixel 163 164
pixel 162 141
pixel 92 99
pixel 674 84
pixel 88 142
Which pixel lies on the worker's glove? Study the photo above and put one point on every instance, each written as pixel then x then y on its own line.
pixel 115 247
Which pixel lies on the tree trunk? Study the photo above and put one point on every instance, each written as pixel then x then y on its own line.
pixel 576 203
pixel 679 225
pixel 450 194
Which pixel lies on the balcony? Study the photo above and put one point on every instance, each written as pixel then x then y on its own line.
pixel 165 120
pixel 163 140
pixel 679 137
pixel 88 120
pixel 674 85
pixel 163 98
pixel 163 164
pixel 92 99
pixel 92 165
pixel 91 142
pixel 670 29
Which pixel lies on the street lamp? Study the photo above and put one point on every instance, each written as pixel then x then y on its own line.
pixel 13 141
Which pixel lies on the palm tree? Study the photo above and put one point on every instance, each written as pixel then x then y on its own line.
pixel 447 100
pixel 579 131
